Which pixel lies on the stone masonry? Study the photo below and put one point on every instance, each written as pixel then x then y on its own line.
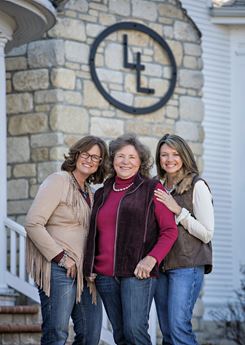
pixel 52 101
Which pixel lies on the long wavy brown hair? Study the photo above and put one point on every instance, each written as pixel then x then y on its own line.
pixel 180 145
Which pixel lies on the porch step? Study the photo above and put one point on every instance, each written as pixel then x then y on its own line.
pixel 20 325
pixel 19 309
pixel 19 328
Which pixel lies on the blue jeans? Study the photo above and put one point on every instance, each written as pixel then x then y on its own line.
pixel 176 294
pixel 61 305
pixel 127 303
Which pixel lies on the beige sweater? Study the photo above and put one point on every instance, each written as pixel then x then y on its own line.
pixel 57 220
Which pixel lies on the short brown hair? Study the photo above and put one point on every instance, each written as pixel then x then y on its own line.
pixel 83 145
pixel 142 150
pixel 180 145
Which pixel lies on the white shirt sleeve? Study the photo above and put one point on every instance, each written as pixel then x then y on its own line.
pixel 202 226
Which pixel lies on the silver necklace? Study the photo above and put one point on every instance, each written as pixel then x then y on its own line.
pixel 121 189
pixel 169 190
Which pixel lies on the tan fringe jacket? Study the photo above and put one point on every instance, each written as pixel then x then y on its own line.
pixel 57 220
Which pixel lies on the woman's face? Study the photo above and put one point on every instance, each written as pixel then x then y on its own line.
pixel 170 160
pixel 126 162
pixel 88 161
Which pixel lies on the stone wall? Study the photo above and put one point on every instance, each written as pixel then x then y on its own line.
pixel 52 101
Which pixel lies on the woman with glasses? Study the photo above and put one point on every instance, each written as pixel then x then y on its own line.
pixel 130 234
pixel 57 227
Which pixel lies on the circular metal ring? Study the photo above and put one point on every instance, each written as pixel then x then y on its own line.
pixel 156 37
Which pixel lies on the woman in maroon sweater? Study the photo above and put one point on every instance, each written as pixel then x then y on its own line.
pixel 130 234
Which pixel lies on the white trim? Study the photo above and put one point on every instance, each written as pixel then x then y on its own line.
pixel 228 15
pixel 25 288
pixel 15 226
pixel 3 167
pixel 236 11
pixel 228 20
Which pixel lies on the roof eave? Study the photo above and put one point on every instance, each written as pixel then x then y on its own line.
pixel 228 15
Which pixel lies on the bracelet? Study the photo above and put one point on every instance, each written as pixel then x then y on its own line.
pixel 62 262
pixel 183 214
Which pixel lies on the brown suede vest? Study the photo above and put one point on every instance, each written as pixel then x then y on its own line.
pixel 188 251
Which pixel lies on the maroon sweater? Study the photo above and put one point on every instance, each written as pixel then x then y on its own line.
pixel 106 225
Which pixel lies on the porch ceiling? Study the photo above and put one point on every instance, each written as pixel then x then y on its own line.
pixel 31 18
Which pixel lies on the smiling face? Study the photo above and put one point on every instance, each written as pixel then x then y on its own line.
pixel 88 162
pixel 170 160
pixel 126 162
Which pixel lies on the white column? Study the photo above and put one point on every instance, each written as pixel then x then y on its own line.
pixel 3 167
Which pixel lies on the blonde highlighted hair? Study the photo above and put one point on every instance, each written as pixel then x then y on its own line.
pixel 180 145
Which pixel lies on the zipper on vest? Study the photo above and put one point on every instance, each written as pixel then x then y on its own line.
pixel 115 242
pixel 146 220
pixel 118 209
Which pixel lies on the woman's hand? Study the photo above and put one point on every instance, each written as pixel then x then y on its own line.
pixel 70 265
pixel 168 201
pixel 91 278
pixel 144 267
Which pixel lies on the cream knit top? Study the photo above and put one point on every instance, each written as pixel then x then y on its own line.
pixel 57 220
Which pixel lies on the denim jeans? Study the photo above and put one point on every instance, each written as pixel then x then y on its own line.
pixel 176 294
pixel 61 305
pixel 127 303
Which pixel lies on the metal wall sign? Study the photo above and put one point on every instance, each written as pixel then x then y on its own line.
pixel 136 66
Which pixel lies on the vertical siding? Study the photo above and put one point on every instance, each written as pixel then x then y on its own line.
pixel 238 145
pixel 217 146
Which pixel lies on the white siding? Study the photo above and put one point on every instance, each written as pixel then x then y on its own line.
pixel 238 144
pixel 217 147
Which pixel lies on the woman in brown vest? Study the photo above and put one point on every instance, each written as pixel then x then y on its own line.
pixel 181 277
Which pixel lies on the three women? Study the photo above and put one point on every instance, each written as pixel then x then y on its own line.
pixel 57 226
pixel 132 230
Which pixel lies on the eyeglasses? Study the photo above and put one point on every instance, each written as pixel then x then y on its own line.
pixel 94 158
